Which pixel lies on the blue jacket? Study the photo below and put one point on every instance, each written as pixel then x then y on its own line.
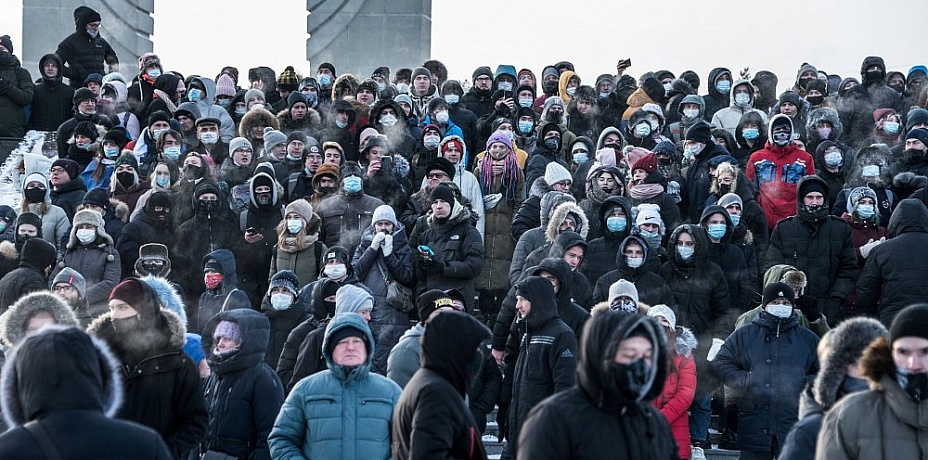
pixel 339 413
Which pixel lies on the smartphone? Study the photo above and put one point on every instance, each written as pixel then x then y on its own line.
pixel 625 63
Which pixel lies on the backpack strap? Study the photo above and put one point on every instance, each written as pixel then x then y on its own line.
pixel 41 438
pixel 317 250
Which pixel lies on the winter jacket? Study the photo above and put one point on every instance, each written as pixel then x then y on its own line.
pixel 498 243
pixel 403 361
pixel 601 252
pixel 52 100
pixel 77 416
pixel 162 389
pixel 283 322
pixel 99 264
pixel 470 188
pixel 143 229
pixel 458 248
pixel 741 276
pixel 652 289
pixel 529 215
pixel 595 196
pixel 593 419
pixel 15 98
pixel 882 423
pixel 892 278
pixel 29 275
pixel 535 244
pixel 253 260
pixel 208 109
pixel 243 394
pixel 775 172
pixel 305 259
pixel 225 297
pixel 824 251
pixel 344 217
pixel 194 239
pixel 538 162
pixel 55 223
pixel 431 419
pixel 310 124
pixel 729 117
pixel 68 196
pixel 340 413
pixel 715 100
pixel 547 360
pixel 696 190
pixel 679 390
pixel 768 361
pixel 84 54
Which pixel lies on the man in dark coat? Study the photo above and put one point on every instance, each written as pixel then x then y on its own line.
pixel 818 244
pixel 258 225
pixel 720 83
pixel 68 188
pixel 243 393
pixel 64 384
pixel 477 100
pixel 340 122
pixel 35 263
pixel 431 420
pixel 893 277
pixel 51 99
pixel 615 218
pixel 151 225
pixel 741 277
pixel 699 148
pixel 632 266
pixel 768 361
pixel 607 413
pixel 346 214
pixel 84 109
pixel 85 51
pixel 547 357
pixel 16 89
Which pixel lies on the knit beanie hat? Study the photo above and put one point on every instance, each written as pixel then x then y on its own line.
pixel 729 198
pixel 38 252
pixel 253 94
pixel 778 290
pixel 384 213
pixel 421 71
pixel 229 330
pixel 700 132
pixel 294 98
pixel 213 265
pixel 82 94
pixel 127 159
pixel 444 193
pixel 7 43
pixel 352 299
pixel 95 197
pixel 301 207
pixel 648 163
pixel 859 193
pixel 665 312
pixel 555 173
pixel 403 98
pixel 649 213
pixel 501 138
pixel 343 333
pixel 158 115
pixel 287 80
pixel 918 133
pixel 351 168
pixel 912 321
pixel 70 166
pixel 70 276
pixel 287 280
pixel 238 143
pixel 128 291
pixel 915 116
pixel 808 186
pixel 432 300
pixel 623 288
pixel 117 136
pixel 225 86
pixel 86 129
pixel 272 138
pixel 482 70
pixel 442 164
pixel 338 253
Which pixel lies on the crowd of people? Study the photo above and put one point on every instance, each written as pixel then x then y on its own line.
pixel 342 266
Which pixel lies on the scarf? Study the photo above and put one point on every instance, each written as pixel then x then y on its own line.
pixel 644 191
pixel 167 100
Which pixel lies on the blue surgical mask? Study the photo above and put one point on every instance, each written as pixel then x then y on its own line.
pixel 240 111
pixel 525 127
pixel 634 262
pixel 642 129
pixel 653 238
pixel 504 86
pixel 580 158
pixel 324 79
pixel 111 152
pixel 155 134
pixel 224 102
pixel 750 133
pixel 452 98
pixel 603 95
pixel 381 86
pixel 194 95
pixel 352 184
pixel 294 225
pixel 341 124
pixel 616 224
pixel 833 159
pixel 891 127
pixel 716 231
pixel 742 99
pixel 525 102
pixel 209 137
pixel 686 253
pixel 735 219
pixel 172 153
pixel 154 73
pixel 723 86
pixel 163 182
pixel 865 211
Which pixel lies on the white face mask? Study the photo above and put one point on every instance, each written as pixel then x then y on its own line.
pixel 86 235
pixel 209 137
pixel 780 311
pixel 634 262
pixel 335 271
pixel 690 113
pixel 281 301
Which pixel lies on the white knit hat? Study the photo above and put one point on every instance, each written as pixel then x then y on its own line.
pixel 623 288
pixel 665 312
pixel 649 213
pixel 555 173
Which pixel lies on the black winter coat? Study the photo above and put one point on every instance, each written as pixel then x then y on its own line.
pixel 652 289
pixel 66 130
pixel 458 246
pixel 730 258
pixel 15 98
pixel 142 230
pixel 243 394
pixel 68 197
pixel 696 190
pixel 282 323
pixel 769 362
pixel 84 54
pixel 194 239
pixel 344 217
pixel 52 100
pixel 254 259
pixel 601 252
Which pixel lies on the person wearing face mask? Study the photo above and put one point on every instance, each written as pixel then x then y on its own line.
pixel 92 253
pixel 740 273
pixel 340 126
pixel 719 91
pixel 797 109
pixel 690 111
pixel 460 115
pixel 623 365
pixel 99 172
pixel 152 224
pixel 897 372
pixel 282 310
pixel 209 141
pixel 750 136
pixel 771 385
pixel 37 199
pixel 258 226
pixel 162 385
pixel 206 230
pixel 220 278
pixel 141 89
pixel 7 225
pixel 546 151
pixel 862 214
pixel 325 183
pixel 389 118
pixel 85 109
pixel 567 85
pixel 820 245
pixel 777 168
pixel 126 186
pixel 346 214
pixel 824 125
pixel 298 247
pixel 426 151
pixel 887 128
pixel 631 260
pixel 839 353
pixel 698 148
pixel 85 52
pixel 871 168
pixel 742 101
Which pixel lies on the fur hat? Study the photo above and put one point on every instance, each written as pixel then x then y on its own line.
pixel 384 213
pixel 846 346
pixel 912 321
pixel 665 312
pixel 326 169
pixel 272 138
pixel 86 129
pixel 555 173
pixel 301 207
pixel 351 168
pixel 795 279
pixel 778 290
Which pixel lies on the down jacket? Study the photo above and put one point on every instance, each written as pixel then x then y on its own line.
pixel 344 217
pixel 458 245
pixel 98 262
pixel 679 390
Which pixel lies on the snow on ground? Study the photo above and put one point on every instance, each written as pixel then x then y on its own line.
pixel 34 154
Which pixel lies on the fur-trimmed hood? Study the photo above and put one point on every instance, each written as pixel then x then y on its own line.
pixel 168 295
pixel 342 82
pixel 876 154
pixel 848 342
pixel 312 120
pixel 173 326
pixel 59 369
pixel 539 187
pixel 686 341
pixel 256 117
pixel 877 362
pixel 13 323
pixel 552 229
pixel 824 114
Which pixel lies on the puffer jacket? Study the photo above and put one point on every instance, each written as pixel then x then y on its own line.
pixel 97 262
pixel 457 244
pixel 679 390
pixel 142 230
pixel 225 297
pixel 529 215
pixel 601 252
pixel 696 189
pixel 729 117
pixel 740 275
pixel 338 413
pixel 344 217
pixel 84 54
pixel 769 362
pixel 892 277
pixel 68 196
pixel 403 361
pixel 593 419
pixel 552 230
pixel 715 100
pixel 13 102
pixel 52 100
pixel 243 394
pixel 652 289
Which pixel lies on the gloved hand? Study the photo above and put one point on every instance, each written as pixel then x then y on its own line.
pixel 865 249
pixel 4 85
pixel 387 245
pixel 436 266
pixel 377 240
pixel 673 189
pixel 714 350
pixel 808 305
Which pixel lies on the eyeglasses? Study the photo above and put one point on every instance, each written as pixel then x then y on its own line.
pixel 436 175
pixel 94 25
pixel 64 289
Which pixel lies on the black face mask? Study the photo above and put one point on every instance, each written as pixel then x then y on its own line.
pixel 631 380
pixel 812 213
pixel 553 143
pixel 20 241
pixel 724 188
pixel 6 58
pixel 34 195
pixel 128 325
pixel 912 156
pixel 815 100
pixel 208 206
pixel 328 190
pixel 550 86
pixel 898 88
pixel 553 117
pixel 874 76
pixel 263 199
pixel 126 179
pixel 914 384
pixel 151 267
pixel 193 172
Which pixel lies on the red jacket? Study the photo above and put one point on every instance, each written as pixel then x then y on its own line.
pixel 674 402
pixel 775 172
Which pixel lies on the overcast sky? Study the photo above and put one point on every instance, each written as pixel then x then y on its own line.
pixel 834 35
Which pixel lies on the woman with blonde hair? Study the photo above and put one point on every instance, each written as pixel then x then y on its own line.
pixel 298 247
